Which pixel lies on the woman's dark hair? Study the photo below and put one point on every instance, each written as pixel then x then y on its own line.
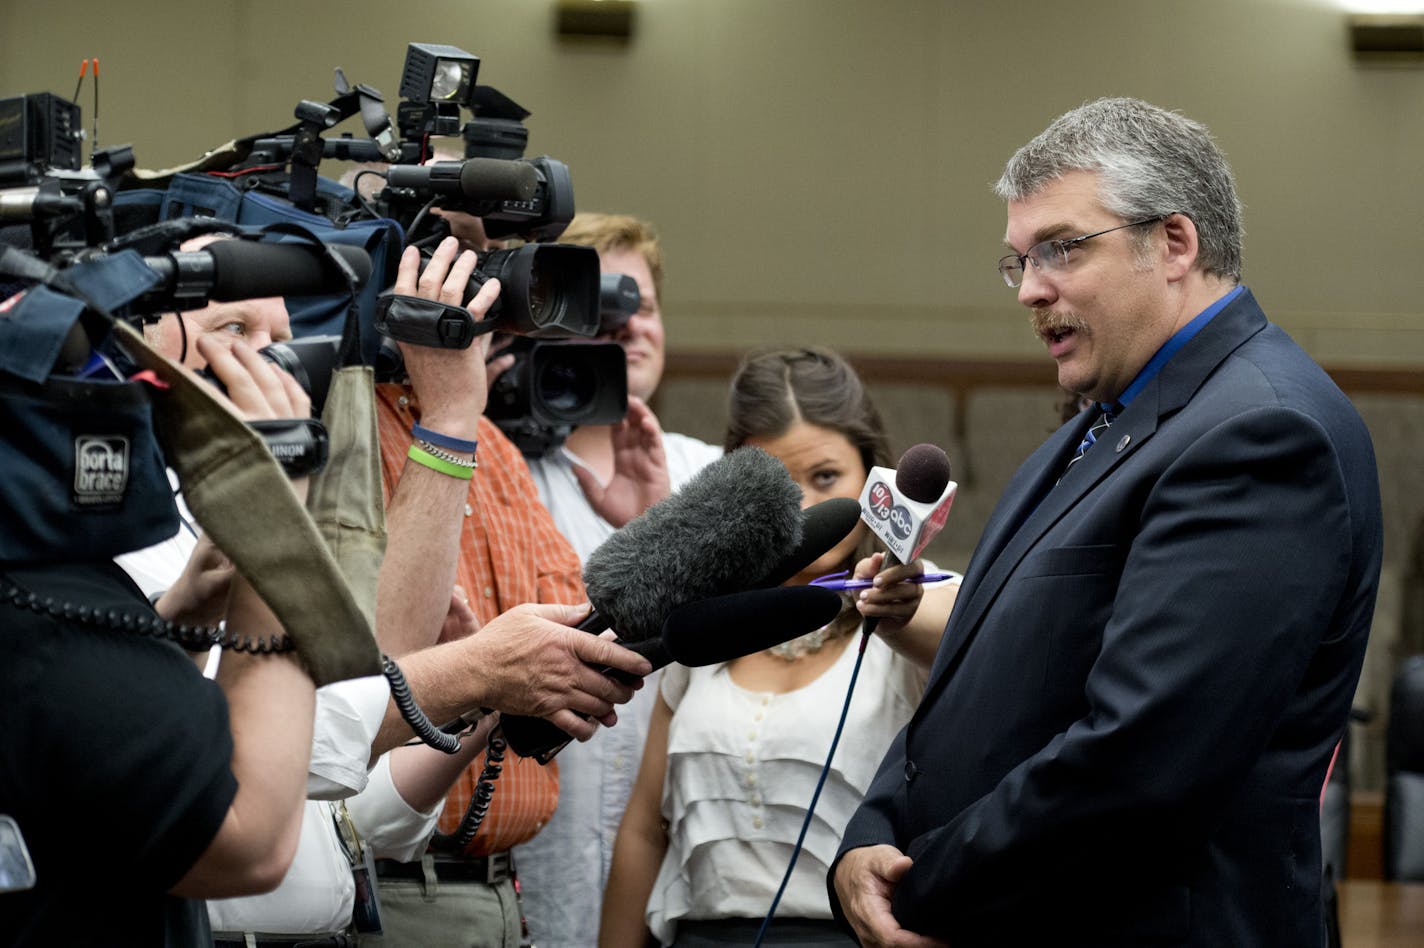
pixel 772 390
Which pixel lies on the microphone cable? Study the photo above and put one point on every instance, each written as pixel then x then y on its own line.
pixel 867 630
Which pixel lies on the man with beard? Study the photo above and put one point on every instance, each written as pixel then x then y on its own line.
pixel 1153 653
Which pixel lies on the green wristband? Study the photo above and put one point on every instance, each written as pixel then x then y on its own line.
pixel 426 459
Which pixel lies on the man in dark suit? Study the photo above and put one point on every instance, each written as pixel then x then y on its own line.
pixel 1155 646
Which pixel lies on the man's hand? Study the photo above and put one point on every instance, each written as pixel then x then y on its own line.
pixel 640 475
pixel 529 661
pixel 258 389
pixel 497 360
pixel 460 619
pixel 199 597
pixel 450 383
pixel 865 880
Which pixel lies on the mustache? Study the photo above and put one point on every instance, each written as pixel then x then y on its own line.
pixel 1046 322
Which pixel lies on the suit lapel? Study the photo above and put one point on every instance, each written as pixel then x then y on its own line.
pixel 1003 547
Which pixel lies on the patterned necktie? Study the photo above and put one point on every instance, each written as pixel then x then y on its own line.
pixel 1095 431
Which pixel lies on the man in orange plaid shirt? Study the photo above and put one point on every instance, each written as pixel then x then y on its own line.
pixel 509 553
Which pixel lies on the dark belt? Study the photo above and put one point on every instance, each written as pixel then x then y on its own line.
pixel 490 870
pixel 237 940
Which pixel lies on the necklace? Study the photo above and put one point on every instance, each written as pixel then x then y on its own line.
pixel 803 645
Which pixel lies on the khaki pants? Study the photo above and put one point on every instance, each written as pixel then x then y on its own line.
pixel 447 915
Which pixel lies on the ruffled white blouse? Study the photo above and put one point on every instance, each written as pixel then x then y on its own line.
pixel 742 767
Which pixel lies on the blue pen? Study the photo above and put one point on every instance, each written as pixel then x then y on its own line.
pixel 834 580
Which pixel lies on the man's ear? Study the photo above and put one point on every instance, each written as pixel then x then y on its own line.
pixel 1182 246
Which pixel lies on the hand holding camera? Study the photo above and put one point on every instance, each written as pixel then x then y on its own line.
pixel 450 383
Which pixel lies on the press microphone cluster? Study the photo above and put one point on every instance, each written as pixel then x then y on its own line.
pixel 697 577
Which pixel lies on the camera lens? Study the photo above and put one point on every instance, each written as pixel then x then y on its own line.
pixel 286 359
pixel 567 387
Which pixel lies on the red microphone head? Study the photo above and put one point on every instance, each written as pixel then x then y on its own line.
pixel 923 473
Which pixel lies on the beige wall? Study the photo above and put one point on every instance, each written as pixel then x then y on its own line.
pixel 820 168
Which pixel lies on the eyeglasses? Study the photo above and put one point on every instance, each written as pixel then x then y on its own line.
pixel 1051 255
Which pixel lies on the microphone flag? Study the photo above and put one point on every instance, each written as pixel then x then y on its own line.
pixel 904 525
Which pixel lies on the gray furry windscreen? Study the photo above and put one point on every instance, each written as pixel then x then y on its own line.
pixel 725 529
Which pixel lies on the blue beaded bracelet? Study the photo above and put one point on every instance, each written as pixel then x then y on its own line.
pixel 421 433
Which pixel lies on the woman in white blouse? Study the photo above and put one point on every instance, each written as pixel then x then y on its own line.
pixel 734 750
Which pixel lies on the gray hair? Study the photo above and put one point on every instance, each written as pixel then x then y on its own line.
pixel 1149 162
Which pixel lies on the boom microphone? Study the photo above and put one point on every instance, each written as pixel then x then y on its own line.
pixel 478 179
pixel 725 529
pixel 246 269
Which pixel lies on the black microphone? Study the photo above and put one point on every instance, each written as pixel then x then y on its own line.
pixel 737 525
pixel 246 269
pixel 905 508
pixel 726 627
pixel 479 179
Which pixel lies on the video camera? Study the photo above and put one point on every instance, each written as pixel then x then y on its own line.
pixel 74 276
pixel 41 182
pixel 553 387
pixel 548 290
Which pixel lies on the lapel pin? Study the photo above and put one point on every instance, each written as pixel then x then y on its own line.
pixel 1122 442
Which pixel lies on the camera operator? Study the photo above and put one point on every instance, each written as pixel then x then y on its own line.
pixel 602 477
pixel 509 553
pixel 317 897
pixel 186 577
pixel 194 788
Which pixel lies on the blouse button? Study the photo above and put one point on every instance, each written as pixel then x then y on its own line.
pixel 757 823
pixel 469 511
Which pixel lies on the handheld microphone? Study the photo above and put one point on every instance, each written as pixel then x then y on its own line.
pixel 246 269
pixel 907 507
pixel 478 179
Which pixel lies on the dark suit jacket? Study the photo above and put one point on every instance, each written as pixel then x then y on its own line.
pixel 1126 728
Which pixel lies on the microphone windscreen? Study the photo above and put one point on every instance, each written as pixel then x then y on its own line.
pixel 246 269
pixel 495 179
pixel 923 473
pixel 726 627
pixel 734 522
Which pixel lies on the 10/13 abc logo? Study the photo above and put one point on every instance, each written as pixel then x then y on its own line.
pixel 883 506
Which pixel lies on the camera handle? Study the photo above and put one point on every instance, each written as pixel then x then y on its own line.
pixel 428 322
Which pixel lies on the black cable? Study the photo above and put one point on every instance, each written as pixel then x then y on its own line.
pixel 411 713
pixel 194 638
pixel 820 783
pixel 479 803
